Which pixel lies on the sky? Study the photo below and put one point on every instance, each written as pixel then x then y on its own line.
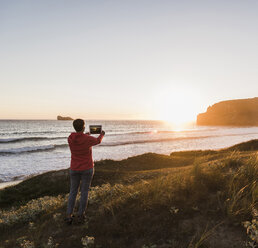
pixel 131 59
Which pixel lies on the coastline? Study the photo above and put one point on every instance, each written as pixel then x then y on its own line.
pixel 127 189
pixel 250 145
pixel 8 184
pixel 47 149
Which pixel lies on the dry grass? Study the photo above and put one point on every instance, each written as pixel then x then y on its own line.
pixel 165 206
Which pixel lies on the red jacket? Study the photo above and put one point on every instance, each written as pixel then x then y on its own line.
pixel 81 153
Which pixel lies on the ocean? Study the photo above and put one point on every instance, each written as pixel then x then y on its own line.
pixel 30 147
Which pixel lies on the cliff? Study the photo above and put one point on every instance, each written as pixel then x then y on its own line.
pixel 61 118
pixel 241 112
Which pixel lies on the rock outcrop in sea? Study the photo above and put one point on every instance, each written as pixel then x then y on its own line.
pixel 61 118
pixel 240 112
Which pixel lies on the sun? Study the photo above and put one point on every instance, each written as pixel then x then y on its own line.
pixel 176 105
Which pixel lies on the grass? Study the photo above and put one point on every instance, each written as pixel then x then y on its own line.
pixel 188 199
pixel 106 171
pixel 243 190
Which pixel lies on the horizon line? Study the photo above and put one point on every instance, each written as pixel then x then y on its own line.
pixel 28 119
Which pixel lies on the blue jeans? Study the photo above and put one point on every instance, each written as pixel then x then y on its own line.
pixel 76 177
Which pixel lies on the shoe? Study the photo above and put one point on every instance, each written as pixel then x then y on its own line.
pixel 69 220
pixel 81 219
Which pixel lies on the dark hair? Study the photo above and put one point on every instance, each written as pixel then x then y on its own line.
pixel 78 125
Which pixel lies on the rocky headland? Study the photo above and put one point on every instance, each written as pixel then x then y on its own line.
pixel 240 112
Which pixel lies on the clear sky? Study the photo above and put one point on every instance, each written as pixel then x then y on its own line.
pixel 127 59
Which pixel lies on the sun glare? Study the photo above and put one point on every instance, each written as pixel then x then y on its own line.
pixel 177 105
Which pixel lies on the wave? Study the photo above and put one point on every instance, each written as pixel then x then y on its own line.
pixel 52 147
pixel 30 149
pixel 12 140
pixel 159 132
pixel 139 132
pixel 168 139
pixel 15 140
pixel 26 149
pixel 34 132
pixel 108 133
pixel 109 144
pixel 177 132
pixel 133 142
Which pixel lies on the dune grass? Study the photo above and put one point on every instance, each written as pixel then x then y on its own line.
pixel 201 203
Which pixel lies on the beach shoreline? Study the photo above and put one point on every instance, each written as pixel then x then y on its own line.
pixel 10 183
pixel 15 182
pixel 33 147
pixel 132 187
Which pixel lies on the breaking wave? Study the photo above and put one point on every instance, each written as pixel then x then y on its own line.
pixel 44 148
pixel 29 149
pixel 12 140
pixel 52 147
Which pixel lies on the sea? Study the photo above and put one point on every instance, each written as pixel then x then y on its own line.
pixel 31 147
